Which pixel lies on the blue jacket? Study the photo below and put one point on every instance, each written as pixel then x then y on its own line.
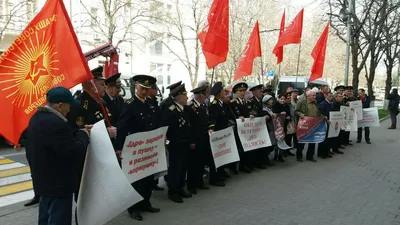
pixel 324 108
pixel 320 98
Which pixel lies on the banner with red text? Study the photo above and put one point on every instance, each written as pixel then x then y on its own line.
pixel 278 120
pixel 223 147
pixel 144 154
pixel 253 133
pixel 370 118
pixel 311 130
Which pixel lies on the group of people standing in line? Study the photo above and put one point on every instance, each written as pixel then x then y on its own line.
pixel 58 134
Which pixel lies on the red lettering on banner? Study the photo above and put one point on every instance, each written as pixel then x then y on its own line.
pixel 145 158
pixel 133 144
pixel 221 153
pixel 151 140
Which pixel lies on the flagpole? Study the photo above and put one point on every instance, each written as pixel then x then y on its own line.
pixel 212 76
pixel 262 75
pixel 298 62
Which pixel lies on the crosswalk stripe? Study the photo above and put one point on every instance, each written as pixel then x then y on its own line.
pixel 16 171
pixel 5 161
pixel 11 166
pixel 15 198
pixel 15 179
pixel 13 188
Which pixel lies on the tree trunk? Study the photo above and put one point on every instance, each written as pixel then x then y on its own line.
pixel 354 65
pixel 371 77
pixel 389 70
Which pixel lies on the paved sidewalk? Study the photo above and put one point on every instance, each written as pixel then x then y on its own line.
pixel 360 187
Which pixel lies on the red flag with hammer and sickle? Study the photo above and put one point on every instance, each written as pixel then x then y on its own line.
pixel 46 54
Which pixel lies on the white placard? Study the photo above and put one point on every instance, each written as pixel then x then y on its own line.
pixel 370 118
pixel 349 118
pixel 357 106
pixel 253 133
pixel 223 147
pixel 336 119
pixel 105 191
pixel 144 154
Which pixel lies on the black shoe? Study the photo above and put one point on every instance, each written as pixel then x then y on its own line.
pixel 33 201
pixel 269 163
pixel 193 191
pixel 244 169
pixel 392 128
pixel 342 147
pixel 261 167
pixel 225 174
pixel 331 153
pixel 203 187
pixel 184 194
pixel 234 171
pixel 280 159
pixel 349 144
pixel 218 183
pixel 151 209
pixel 329 156
pixel 157 188
pixel 136 215
pixel 338 152
pixel 323 157
pixel 175 198
pixel 358 141
pixel 368 142
pixel 312 160
pixel 299 160
pixel 289 153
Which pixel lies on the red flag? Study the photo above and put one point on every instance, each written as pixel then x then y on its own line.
pixel 292 34
pixel 318 55
pixel 253 49
pixel 215 35
pixel 44 55
pixel 279 51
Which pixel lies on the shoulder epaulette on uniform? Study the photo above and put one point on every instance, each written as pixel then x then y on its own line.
pixel 233 100
pixel 214 101
pixel 172 107
pixel 130 100
pixel 190 103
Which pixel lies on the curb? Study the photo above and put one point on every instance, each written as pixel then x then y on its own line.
pixel 384 118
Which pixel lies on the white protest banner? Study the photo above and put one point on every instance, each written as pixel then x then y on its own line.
pixel 336 119
pixel 253 133
pixel 370 118
pixel 223 147
pixel 349 118
pixel 144 154
pixel 357 106
pixel 105 191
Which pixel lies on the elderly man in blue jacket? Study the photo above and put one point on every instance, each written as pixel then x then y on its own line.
pixel 366 102
pixel 52 149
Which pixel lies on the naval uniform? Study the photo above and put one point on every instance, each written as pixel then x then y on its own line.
pixel 115 105
pixel 198 117
pixel 239 108
pixel 88 112
pixel 178 135
pixel 258 156
pixel 137 116
pixel 221 117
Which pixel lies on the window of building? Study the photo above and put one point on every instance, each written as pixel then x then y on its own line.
pixel 93 15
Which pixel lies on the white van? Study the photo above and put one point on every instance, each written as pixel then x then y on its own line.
pixel 297 82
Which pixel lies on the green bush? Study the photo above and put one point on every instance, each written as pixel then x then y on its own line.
pixel 383 113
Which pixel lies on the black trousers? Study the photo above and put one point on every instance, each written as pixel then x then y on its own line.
pixel 291 138
pixel 393 117
pixel 310 150
pixel 144 187
pixel 197 161
pixel 344 137
pixel 178 165
pixel 359 133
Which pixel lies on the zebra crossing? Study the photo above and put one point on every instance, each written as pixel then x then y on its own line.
pixel 15 182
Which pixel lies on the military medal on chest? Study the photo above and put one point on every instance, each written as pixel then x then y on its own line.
pixel 181 122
